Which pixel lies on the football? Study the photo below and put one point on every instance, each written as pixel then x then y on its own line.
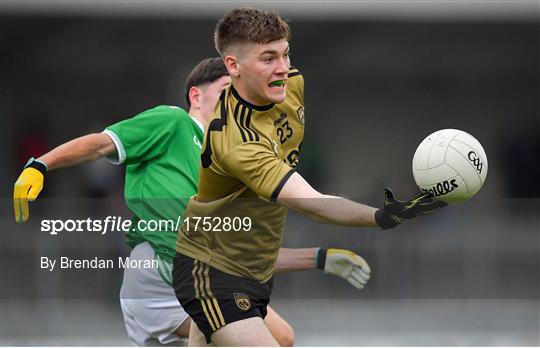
pixel 450 164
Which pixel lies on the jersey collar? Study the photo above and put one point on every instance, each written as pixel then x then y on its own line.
pixel 248 104
pixel 198 123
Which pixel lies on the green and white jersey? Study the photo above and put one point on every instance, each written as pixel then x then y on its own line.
pixel 161 149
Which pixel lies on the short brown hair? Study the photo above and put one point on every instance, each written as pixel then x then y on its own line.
pixel 242 25
pixel 207 71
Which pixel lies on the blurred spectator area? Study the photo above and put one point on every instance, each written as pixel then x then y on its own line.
pixel 374 89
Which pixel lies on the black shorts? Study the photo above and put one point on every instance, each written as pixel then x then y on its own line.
pixel 213 298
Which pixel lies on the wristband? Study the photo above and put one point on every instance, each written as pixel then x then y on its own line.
pixel 34 163
pixel 320 259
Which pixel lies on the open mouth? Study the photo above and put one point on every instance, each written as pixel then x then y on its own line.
pixel 277 84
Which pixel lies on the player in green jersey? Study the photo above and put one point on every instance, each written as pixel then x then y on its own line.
pixel 161 149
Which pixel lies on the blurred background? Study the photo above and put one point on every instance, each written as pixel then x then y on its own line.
pixel 380 76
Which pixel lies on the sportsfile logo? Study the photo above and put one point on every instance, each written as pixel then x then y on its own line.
pixel 442 188
pixel 109 224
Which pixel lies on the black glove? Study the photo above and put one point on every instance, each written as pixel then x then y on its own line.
pixel 395 212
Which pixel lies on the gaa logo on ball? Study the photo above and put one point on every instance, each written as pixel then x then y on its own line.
pixel 451 165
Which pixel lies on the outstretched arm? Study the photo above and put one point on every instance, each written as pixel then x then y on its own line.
pixel 291 260
pixel 339 262
pixel 81 150
pixel 297 194
pixel 77 151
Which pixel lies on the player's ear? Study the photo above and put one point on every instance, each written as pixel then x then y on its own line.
pixel 231 63
pixel 195 97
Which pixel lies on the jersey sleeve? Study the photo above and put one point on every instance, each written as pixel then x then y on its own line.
pixel 145 136
pixel 257 167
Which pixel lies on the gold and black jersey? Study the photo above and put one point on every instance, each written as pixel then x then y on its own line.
pixel 248 154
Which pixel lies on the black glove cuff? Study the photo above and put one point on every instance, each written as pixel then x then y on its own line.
pixel 32 163
pixel 321 258
pixel 384 221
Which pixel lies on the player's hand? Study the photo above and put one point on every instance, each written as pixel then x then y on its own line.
pixel 395 212
pixel 27 187
pixel 345 264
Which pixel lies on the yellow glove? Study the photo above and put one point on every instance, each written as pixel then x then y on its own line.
pixel 27 187
pixel 344 264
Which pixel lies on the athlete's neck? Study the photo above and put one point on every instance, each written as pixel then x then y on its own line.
pixel 242 93
pixel 196 114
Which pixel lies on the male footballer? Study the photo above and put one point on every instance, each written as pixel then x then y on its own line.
pixel 161 150
pixel 223 279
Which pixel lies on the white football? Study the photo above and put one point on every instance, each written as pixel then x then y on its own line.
pixel 450 164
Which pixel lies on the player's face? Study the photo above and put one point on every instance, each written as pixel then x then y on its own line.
pixel 210 95
pixel 263 71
